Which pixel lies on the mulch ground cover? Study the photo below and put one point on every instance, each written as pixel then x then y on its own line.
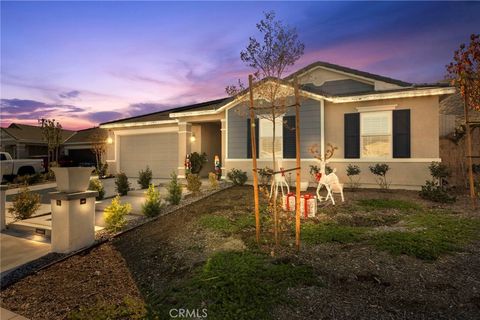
pixel 352 279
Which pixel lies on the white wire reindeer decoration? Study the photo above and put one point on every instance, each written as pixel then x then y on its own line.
pixel 329 181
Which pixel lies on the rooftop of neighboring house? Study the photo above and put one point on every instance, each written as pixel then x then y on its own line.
pixel 330 89
pixel 32 134
pixel 87 136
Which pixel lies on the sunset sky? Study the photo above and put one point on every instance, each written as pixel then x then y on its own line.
pixel 84 63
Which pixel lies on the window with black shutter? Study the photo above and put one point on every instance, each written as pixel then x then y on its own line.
pixel 401 133
pixel 352 135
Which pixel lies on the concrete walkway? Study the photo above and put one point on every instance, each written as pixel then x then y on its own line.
pixel 9 315
pixel 17 250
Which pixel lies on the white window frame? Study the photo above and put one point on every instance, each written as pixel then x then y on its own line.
pixel 390 134
pixel 278 123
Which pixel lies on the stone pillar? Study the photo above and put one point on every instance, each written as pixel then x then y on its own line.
pixel 73 220
pixel 184 145
pixel 3 195
pixel 223 131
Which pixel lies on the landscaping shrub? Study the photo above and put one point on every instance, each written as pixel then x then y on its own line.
pixel 379 204
pixel 197 161
pixel 122 185
pixel 174 190
pixel 353 171
pixel 436 189
pixel 145 178
pixel 129 308
pixel 237 176
pixel 30 179
pixel 314 169
pixel 153 204
pixel 212 178
pixel 226 225
pixel 102 169
pixel 236 285
pixel 265 175
pixel 115 214
pixel 380 170
pixel 24 204
pixel 193 183
pixel 96 185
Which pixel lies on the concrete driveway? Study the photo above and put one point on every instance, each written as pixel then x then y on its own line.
pixel 16 250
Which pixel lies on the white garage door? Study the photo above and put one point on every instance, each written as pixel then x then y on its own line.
pixel 157 150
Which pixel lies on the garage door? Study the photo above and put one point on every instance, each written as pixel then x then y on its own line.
pixel 157 150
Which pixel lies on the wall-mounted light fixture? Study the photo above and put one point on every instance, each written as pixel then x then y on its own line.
pixel 83 200
pixel 193 138
pixel 59 203
pixel 109 140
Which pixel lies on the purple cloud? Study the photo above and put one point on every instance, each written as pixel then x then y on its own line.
pixel 69 94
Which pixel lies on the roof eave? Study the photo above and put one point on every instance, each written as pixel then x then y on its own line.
pixel 136 124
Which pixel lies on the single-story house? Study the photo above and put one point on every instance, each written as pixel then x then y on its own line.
pixel 79 146
pixel 369 118
pixel 26 141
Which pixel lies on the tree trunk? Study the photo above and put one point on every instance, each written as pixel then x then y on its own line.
pixel 274 197
pixel 469 153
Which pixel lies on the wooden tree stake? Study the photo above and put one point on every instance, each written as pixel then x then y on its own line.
pixel 297 182
pixel 254 160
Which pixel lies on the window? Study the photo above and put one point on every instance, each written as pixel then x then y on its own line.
pixel 376 134
pixel 266 138
pixel 3 157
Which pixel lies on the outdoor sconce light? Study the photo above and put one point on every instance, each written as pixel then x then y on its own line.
pixel 83 200
pixel 109 140
pixel 193 138
pixel 59 203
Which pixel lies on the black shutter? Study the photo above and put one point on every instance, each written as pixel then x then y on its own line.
pixel 352 135
pixel 249 137
pixel 401 133
pixel 289 138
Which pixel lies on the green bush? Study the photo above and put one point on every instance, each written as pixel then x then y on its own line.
pixel 193 183
pixel 197 161
pixel 265 175
pixel 153 204
pixel 30 179
pixel 212 178
pixel 145 178
pixel 24 204
pixel 237 176
pixel 122 185
pixel 174 190
pixel 353 171
pixel 330 232
pixel 434 192
pixel 130 308
pixel 380 170
pixel 115 214
pixel 96 185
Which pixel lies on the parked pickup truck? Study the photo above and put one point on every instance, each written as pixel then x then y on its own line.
pixel 11 168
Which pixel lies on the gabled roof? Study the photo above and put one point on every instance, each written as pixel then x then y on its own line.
pixel 348 70
pixel 164 115
pixel 87 136
pixel 25 132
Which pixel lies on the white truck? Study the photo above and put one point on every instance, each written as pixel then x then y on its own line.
pixel 18 167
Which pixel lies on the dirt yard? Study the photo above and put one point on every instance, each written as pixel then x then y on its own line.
pixel 377 256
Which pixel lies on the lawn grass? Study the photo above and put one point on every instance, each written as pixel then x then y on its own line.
pixel 226 225
pixel 331 232
pixel 437 234
pixel 235 285
pixel 379 204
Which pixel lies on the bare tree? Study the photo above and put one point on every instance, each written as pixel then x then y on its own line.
pixel 99 147
pixel 270 57
pixel 52 134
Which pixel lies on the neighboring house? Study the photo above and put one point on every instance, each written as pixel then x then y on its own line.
pixel 79 146
pixel 26 141
pixel 370 118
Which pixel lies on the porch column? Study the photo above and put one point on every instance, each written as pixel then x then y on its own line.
pixel 223 130
pixel 322 127
pixel 184 145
